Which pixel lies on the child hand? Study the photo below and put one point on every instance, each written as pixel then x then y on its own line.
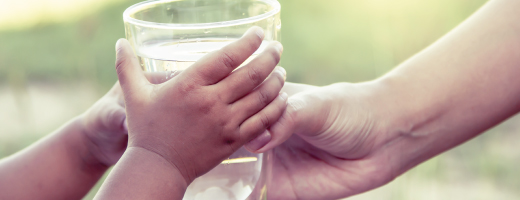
pixel 104 126
pixel 201 116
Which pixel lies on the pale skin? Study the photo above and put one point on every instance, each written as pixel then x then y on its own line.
pixel 68 162
pixel 182 128
pixel 344 139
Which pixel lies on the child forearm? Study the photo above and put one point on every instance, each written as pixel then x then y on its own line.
pixel 59 166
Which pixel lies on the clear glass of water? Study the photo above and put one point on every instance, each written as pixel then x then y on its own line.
pixel 170 35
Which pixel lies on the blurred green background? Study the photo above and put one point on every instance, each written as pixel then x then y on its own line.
pixel 57 59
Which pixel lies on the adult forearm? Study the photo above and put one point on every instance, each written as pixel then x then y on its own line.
pixel 57 167
pixel 142 174
pixel 457 88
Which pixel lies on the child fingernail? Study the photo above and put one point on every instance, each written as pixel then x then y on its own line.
pixel 282 71
pixel 260 32
pixel 259 141
pixel 278 46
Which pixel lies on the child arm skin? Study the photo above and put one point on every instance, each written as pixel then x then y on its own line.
pixel 182 128
pixel 68 162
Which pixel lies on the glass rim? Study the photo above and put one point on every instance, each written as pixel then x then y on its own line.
pixel 126 17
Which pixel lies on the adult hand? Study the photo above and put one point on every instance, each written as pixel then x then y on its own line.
pixel 334 150
pixel 349 138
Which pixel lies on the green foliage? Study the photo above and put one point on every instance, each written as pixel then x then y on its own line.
pixel 338 40
pixel 64 52
pixel 324 42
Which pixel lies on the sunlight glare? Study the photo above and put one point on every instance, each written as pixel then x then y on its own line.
pixel 22 14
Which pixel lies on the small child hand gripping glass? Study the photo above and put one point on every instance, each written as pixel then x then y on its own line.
pixel 182 128
pixel 169 36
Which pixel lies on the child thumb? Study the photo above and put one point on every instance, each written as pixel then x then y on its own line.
pixel 128 70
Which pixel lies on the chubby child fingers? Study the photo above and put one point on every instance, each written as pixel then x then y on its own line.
pixel 129 71
pixel 244 80
pixel 261 96
pixel 261 121
pixel 218 64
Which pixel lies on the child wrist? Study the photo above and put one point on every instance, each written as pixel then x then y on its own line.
pixel 167 157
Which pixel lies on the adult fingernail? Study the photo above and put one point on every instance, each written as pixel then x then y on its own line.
pixel 284 95
pixel 259 141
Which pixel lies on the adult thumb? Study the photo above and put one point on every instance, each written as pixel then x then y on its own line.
pixel 129 72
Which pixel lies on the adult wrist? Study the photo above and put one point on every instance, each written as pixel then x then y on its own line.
pixel 411 116
pixel 408 105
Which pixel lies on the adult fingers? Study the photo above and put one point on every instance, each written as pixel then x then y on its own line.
pixel 297 116
pixel 295 88
pixel 218 64
pixel 129 72
pixel 244 80
pixel 302 115
pixel 262 120
pixel 261 96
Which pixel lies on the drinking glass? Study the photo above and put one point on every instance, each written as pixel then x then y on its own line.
pixel 170 35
